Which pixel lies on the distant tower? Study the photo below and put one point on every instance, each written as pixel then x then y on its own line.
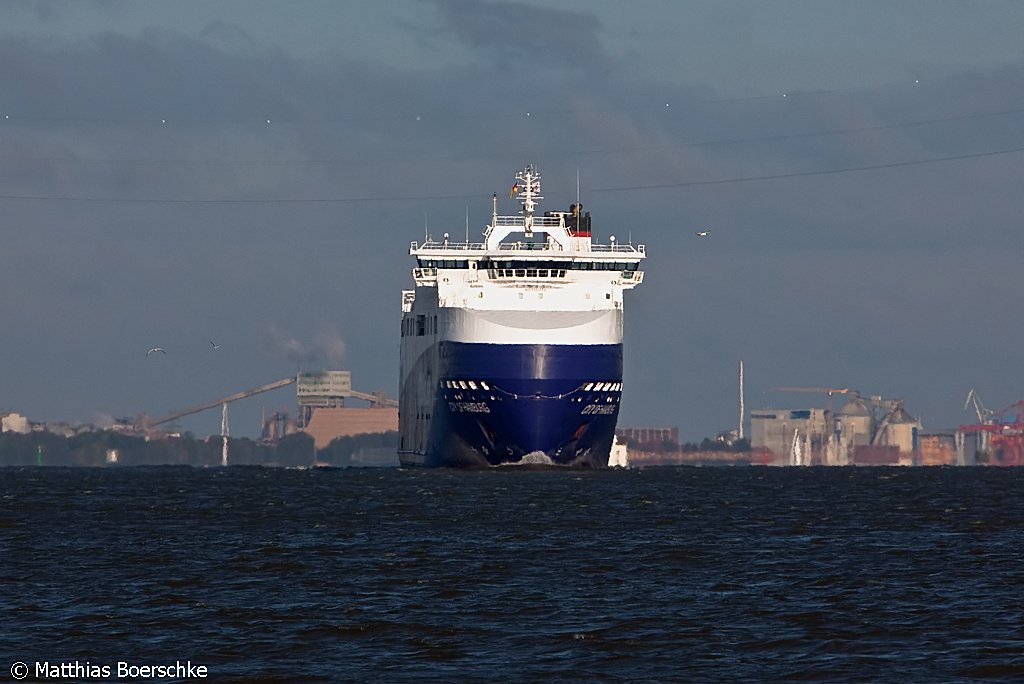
pixel 740 431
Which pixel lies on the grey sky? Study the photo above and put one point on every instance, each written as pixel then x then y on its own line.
pixel 146 200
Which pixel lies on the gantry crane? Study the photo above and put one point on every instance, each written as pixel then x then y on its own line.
pixel 1004 431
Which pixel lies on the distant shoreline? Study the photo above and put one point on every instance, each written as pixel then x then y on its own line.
pixel 115 449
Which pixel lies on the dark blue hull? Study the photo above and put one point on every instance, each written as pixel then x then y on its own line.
pixel 542 404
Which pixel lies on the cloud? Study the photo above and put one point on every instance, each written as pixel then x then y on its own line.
pixel 229 37
pixel 53 13
pixel 519 37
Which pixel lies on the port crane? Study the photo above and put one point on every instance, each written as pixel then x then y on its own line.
pixel 984 418
pixel 979 409
pixel 1000 433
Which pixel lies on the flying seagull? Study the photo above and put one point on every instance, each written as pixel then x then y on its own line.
pixel 214 344
pixel 155 349
pixel 703 233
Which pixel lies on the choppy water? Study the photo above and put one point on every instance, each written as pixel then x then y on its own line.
pixel 676 574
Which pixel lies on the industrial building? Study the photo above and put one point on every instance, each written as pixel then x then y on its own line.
pixel 795 436
pixel 14 422
pixel 325 415
pixel 647 438
pixel 323 411
pixel 865 431
pixel 328 424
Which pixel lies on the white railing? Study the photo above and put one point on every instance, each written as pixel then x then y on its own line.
pixel 529 246
pixel 615 247
pixel 447 245
pixel 516 221
pixel 618 247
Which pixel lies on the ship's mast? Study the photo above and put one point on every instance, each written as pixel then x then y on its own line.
pixel 494 215
pixel 528 186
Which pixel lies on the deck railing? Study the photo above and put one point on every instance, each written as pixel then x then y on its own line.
pixel 517 221
pixel 615 247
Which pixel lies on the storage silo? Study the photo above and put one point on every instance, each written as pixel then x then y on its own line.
pixel 856 425
pixel 898 428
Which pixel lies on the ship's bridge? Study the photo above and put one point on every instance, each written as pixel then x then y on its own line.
pixel 526 261
pixel 458 253
pixel 528 246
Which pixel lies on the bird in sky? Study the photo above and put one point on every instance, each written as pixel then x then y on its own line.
pixel 155 349
pixel 703 233
pixel 214 344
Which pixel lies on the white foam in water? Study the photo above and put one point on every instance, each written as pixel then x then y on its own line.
pixel 536 458
pixel 532 458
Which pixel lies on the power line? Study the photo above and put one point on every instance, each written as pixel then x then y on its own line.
pixel 424 198
pixel 810 134
pixel 801 174
pixel 260 200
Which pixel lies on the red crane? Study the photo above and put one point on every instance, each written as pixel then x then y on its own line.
pixel 1005 432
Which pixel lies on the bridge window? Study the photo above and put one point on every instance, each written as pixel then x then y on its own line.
pixel 526 272
pixel 443 263
pixel 603 266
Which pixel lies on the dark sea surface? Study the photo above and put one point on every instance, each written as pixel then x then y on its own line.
pixel 388 575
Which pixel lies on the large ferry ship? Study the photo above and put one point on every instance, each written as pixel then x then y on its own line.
pixel 512 347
